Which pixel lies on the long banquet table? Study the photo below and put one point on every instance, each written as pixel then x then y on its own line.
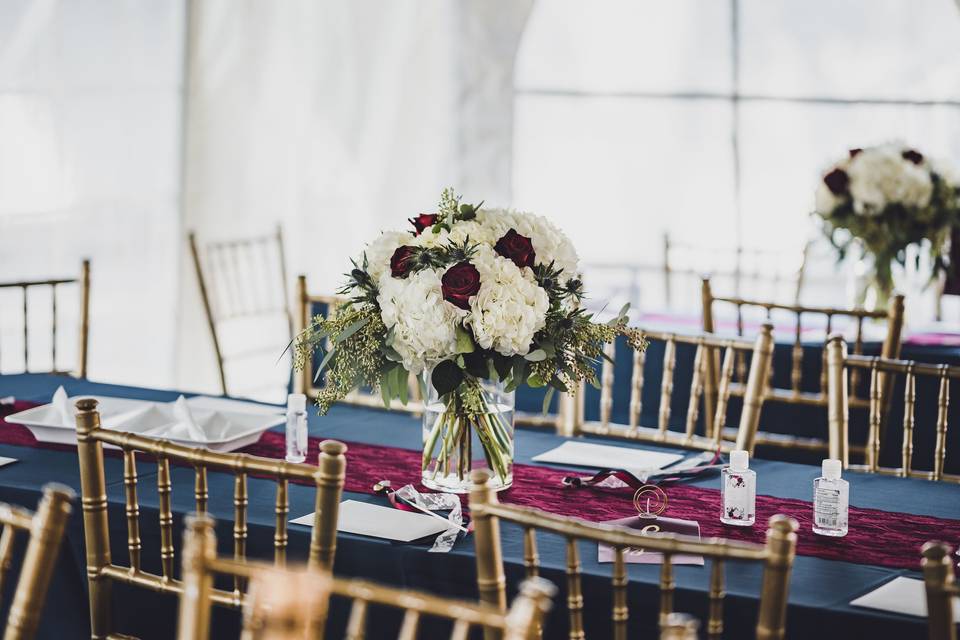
pixel 820 590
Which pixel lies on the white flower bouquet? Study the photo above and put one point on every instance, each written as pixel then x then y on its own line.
pixel 472 298
pixel 886 198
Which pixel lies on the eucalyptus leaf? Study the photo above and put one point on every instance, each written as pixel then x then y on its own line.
pixel 385 388
pixel 323 363
pixel 538 355
pixel 351 329
pixel 547 398
pixel 464 341
pixel 536 381
pixel 403 386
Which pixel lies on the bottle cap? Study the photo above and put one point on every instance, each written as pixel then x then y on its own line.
pixel 297 402
pixel 831 469
pixel 739 460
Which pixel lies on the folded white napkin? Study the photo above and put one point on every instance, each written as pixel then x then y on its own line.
pixel 61 403
pixel 181 411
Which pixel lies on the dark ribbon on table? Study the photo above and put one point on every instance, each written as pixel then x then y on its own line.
pixel 666 477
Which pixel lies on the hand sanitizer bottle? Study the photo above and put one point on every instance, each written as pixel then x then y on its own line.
pixel 296 427
pixel 738 491
pixel 831 501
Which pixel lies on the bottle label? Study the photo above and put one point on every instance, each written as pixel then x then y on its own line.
pixel 826 513
pixel 736 498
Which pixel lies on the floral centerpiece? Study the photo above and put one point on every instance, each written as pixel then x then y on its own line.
pixel 477 302
pixel 885 199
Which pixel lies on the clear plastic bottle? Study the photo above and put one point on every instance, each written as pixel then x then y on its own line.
pixel 831 501
pixel 738 491
pixel 296 427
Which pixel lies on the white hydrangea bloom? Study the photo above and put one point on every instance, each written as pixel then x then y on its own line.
pixel 423 322
pixel 549 242
pixel 457 234
pixel 381 250
pixel 509 308
pixel 880 176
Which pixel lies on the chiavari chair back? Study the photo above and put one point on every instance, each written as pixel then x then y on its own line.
pixel 292 603
pixel 307 380
pixel 796 394
pixel 881 373
pixel 82 282
pixel 742 267
pixel 44 530
pixel 942 590
pixel 242 280
pixel 102 570
pixel 776 557
pixel 712 391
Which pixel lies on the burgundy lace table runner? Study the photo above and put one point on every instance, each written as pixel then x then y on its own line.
pixel 876 537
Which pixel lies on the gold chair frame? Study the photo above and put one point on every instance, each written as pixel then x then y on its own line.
pixel 882 371
pixel 794 395
pixel 703 387
pixel 941 589
pixel 45 531
pixel 230 252
pixel 83 282
pixel 777 558
pixel 328 477
pixel 201 564
pixel 738 274
pixel 304 379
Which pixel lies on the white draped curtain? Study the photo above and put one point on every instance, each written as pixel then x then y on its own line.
pixel 337 119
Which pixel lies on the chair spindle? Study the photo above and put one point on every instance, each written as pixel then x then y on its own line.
pixel 357 624
pixel 282 509
pixel 873 434
pixel 667 586
pixel 531 557
pixel 715 621
pixel 723 394
pixel 132 508
pixel 666 385
pixel 621 611
pixel 696 391
pixel 636 387
pixel 201 492
pixel 909 421
pixel 574 591
pixel 164 488
pixel 240 502
pixel 943 405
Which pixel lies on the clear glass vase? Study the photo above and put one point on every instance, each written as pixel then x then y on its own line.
pixel 460 435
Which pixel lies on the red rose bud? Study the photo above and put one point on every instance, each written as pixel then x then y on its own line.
pixel 912 156
pixel 423 221
pixel 517 248
pixel 855 152
pixel 459 283
pixel 401 261
pixel 837 181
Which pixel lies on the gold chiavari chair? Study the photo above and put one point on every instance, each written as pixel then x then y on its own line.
pixel 242 279
pixel 881 373
pixel 45 531
pixel 102 571
pixel 776 557
pixel 291 604
pixel 83 282
pixel 749 267
pixel 942 590
pixel 715 399
pixel 305 378
pixel 795 395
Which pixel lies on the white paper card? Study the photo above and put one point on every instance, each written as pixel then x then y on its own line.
pixel 603 456
pixel 373 520
pixel 5 461
pixel 901 595
pixel 233 406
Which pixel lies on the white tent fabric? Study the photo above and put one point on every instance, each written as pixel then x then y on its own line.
pixel 337 119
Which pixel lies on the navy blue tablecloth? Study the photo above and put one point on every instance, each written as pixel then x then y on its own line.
pixel 820 589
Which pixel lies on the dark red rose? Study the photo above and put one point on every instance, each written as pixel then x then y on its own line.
pixel 423 221
pixel 461 281
pixel 516 247
pixel 912 156
pixel 401 261
pixel 855 152
pixel 837 181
